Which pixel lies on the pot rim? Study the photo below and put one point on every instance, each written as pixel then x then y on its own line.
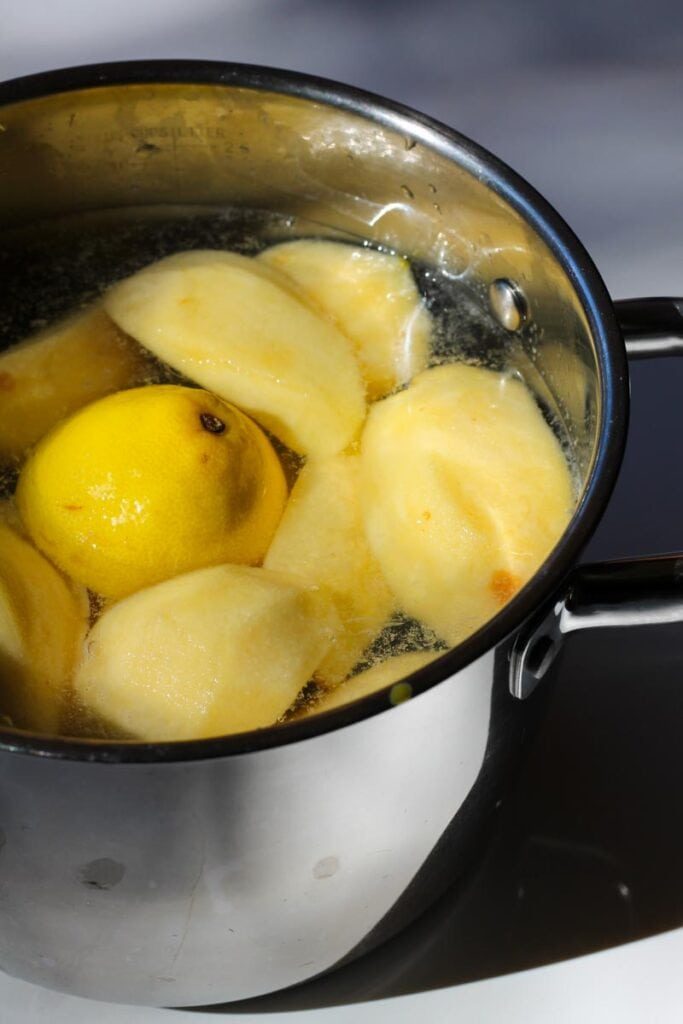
pixel 590 291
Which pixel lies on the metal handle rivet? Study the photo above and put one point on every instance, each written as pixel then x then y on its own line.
pixel 508 304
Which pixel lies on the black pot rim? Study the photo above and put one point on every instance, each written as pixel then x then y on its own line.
pixel 589 288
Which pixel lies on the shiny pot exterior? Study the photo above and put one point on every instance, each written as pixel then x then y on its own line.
pixel 202 881
pixel 216 870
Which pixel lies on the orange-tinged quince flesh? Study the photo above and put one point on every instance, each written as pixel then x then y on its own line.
pixel 59 370
pixel 242 330
pixel 219 650
pixel 371 296
pixel 43 620
pixel 321 538
pixel 465 491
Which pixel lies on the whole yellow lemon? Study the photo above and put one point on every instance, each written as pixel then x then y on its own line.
pixel 148 483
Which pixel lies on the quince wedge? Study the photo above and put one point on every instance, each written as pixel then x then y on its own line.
pixel 242 331
pixel 215 651
pixel 60 369
pixel 465 491
pixel 321 538
pixel 371 296
pixel 43 620
pixel 384 673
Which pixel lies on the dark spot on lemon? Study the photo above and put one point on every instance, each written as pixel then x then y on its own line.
pixel 212 423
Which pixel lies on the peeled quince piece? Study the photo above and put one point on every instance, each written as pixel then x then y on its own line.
pixel 60 369
pixel 465 492
pixel 42 623
pixel 220 650
pixel 372 679
pixel 238 328
pixel 321 538
pixel 149 483
pixel 372 297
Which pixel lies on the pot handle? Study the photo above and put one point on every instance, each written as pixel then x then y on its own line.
pixel 651 327
pixel 626 592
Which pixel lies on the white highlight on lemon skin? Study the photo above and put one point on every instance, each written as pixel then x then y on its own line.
pixel 131 511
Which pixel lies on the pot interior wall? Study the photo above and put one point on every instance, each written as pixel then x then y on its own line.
pixel 106 179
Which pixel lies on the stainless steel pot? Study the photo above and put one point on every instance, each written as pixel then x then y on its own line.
pixel 198 872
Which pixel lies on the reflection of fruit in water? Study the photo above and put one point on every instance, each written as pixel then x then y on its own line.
pixel 149 483
pixel 59 370
pixel 465 491
pixel 218 650
pixel 238 328
pixel 42 622
pixel 321 538
pixel 373 298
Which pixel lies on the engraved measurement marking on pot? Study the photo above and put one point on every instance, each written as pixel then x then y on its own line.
pixel 163 131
